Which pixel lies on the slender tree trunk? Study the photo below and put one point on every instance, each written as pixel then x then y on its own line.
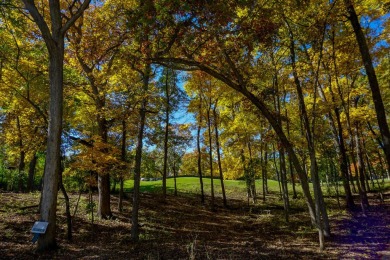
pixel 67 204
pixel 251 172
pixel 174 177
pixel 371 171
pixel 277 172
pixel 121 194
pixel 310 142
pixel 343 159
pixel 291 165
pixel 210 155
pixel 360 165
pixel 31 173
pixel 245 174
pixel 123 158
pixel 264 160
pixel 372 79
pixel 199 150
pixel 219 156
pixel 283 174
pixel 166 135
pixel 22 155
pixel 282 161
pixel 138 158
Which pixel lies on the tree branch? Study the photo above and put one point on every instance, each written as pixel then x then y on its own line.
pixel 73 19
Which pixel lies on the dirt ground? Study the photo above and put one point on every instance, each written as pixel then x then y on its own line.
pixel 182 228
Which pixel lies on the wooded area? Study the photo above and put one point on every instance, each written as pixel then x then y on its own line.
pixel 290 97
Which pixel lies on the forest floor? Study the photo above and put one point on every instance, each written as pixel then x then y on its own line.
pixel 181 228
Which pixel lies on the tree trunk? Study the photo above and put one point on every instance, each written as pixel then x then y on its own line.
pixel 121 194
pixel 31 173
pixel 264 157
pixel 310 142
pixel 199 150
pixel 50 187
pixel 372 79
pixel 22 155
pixel 360 166
pixel 283 175
pixel 166 135
pixel 251 173
pixel 104 209
pixel 219 156
pixel 210 155
pixel 291 165
pixel 343 159
pixel 123 158
pixel 67 204
pixel 54 40
pixel 138 158
pixel 277 172
pixel 174 177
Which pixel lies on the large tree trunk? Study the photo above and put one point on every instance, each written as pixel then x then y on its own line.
pixel 372 79
pixel 138 159
pixel 54 40
pixel 50 187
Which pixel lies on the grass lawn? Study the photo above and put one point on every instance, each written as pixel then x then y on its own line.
pixel 191 185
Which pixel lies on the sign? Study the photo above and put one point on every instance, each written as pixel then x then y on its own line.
pixel 39 227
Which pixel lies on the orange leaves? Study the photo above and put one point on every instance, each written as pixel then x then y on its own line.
pixel 101 158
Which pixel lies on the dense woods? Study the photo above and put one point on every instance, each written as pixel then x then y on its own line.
pixel 95 94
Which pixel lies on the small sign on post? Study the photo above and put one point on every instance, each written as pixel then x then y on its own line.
pixel 38 229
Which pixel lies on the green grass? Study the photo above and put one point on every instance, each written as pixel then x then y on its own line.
pixel 233 188
pixel 191 185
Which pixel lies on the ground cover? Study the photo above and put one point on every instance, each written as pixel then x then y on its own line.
pixel 181 228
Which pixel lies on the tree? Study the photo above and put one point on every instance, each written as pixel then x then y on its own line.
pixel 54 39
pixel 372 78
